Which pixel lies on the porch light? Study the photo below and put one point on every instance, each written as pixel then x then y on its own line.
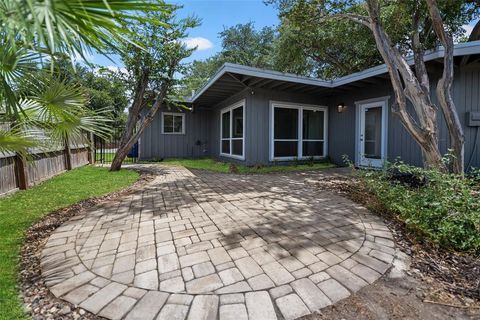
pixel 341 107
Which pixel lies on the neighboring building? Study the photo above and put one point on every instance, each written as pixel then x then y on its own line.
pixel 253 116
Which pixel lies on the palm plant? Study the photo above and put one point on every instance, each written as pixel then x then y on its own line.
pixel 33 33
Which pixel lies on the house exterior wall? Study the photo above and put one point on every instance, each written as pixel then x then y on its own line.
pixel 204 124
pixel 466 93
pixel 400 145
pixel 257 124
pixel 155 145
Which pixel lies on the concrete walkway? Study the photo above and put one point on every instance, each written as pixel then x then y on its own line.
pixel 216 246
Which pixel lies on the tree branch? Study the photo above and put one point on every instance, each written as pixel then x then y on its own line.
pixel 444 88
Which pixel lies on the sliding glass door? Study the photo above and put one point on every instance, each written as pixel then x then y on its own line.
pixel 297 132
pixel 232 122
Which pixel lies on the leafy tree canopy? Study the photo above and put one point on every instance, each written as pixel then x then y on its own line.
pixel 312 41
pixel 242 44
pixel 314 38
pixel 105 89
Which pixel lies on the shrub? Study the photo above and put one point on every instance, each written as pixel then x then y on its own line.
pixel 443 208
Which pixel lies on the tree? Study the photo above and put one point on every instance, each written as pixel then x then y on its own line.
pixel 420 25
pixel 198 72
pixel 33 33
pixel 242 44
pixel 152 72
pixel 105 88
pixel 310 45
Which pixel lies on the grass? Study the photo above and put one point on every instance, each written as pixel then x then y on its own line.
pixel 23 208
pixel 224 167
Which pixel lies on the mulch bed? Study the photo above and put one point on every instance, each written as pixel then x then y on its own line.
pixel 456 275
pixel 38 301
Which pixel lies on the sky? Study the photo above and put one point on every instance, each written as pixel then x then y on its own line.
pixel 215 15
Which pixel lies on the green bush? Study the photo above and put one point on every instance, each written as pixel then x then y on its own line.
pixel 443 208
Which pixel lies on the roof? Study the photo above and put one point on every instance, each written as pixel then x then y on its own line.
pixel 234 77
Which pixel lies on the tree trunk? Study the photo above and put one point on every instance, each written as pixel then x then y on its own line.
pixel 425 132
pixel 444 91
pixel 128 137
pixel 123 150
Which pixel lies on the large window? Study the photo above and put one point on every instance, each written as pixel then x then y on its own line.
pixel 173 123
pixel 297 132
pixel 232 123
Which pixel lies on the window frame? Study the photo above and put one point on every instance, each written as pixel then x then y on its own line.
pixel 173 114
pixel 300 107
pixel 230 109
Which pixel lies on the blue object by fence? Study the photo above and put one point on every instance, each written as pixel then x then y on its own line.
pixel 133 153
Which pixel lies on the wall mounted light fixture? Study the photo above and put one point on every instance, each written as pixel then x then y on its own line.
pixel 341 107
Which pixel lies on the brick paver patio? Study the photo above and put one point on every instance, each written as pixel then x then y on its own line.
pixel 206 246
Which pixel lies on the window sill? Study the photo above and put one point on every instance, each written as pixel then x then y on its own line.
pixel 296 158
pixel 232 156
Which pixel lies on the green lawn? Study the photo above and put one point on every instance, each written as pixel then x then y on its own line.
pixel 23 208
pixel 224 167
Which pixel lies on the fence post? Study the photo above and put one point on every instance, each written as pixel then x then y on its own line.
pixel 91 148
pixel 21 172
pixel 68 155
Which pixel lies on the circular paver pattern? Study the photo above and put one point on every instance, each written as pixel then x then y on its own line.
pixel 206 246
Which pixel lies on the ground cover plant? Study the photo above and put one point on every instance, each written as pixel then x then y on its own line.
pixel 438 207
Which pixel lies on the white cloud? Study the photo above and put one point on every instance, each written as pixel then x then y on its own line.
pixel 199 43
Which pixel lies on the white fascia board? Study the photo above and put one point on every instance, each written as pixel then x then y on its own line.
pixel 261 73
pixel 460 49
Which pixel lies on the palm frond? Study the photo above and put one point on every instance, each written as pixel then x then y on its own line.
pixel 16 141
pixel 73 26
pixel 59 109
pixel 16 67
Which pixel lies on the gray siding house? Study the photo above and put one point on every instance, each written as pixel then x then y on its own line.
pixel 253 116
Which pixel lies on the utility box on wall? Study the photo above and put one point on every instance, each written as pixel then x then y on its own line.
pixel 473 119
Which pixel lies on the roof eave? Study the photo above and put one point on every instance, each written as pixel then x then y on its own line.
pixel 460 49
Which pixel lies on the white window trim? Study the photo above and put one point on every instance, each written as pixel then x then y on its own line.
pixel 300 107
pixel 230 108
pixel 174 114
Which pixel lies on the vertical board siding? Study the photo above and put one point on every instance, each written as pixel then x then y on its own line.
pixel 466 94
pixel 204 124
pixel 155 145
pixel 214 132
pixel 467 99
pixel 8 180
pixel 259 132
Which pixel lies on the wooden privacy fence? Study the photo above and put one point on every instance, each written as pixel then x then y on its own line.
pixel 18 173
